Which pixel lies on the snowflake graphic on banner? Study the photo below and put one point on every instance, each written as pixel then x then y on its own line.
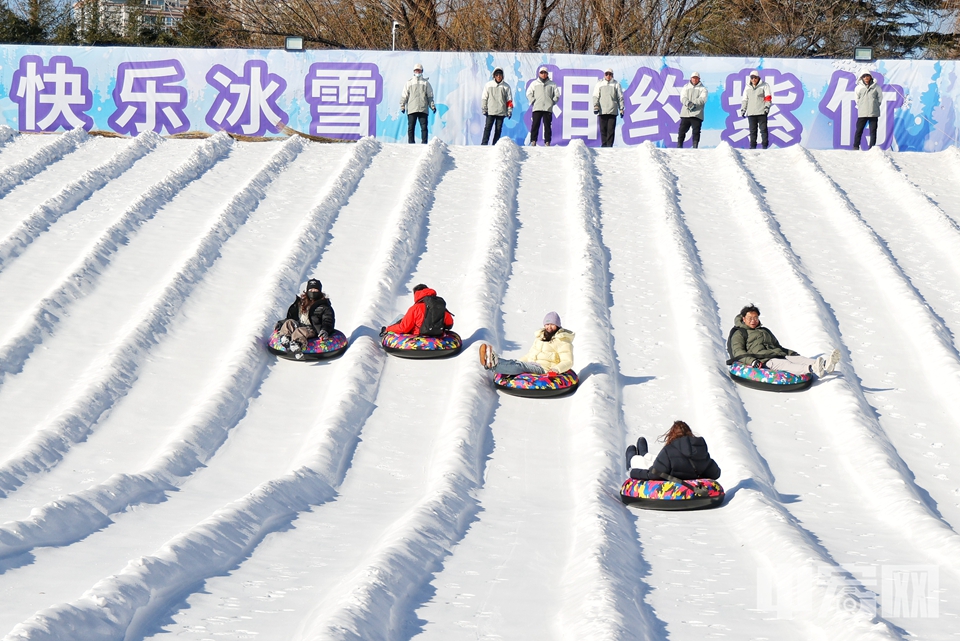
pixel 839 104
pixel 573 116
pixel 51 96
pixel 246 104
pixel 783 127
pixel 148 99
pixel 343 99
pixel 653 106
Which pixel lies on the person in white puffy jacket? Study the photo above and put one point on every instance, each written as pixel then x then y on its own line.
pixel 552 352
pixel 755 105
pixel 543 95
pixel 692 99
pixel 416 98
pixel 607 103
pixel 496 104
pixel 869 100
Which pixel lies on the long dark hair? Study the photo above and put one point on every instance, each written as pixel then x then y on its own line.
pixel 678 429
pixel 306 304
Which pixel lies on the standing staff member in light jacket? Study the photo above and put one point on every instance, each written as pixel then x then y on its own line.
pixel 496 103
pixel 692 99
pixel 755 105
pixel 416 98
pixel 542 94
pixel 607 103
pixel 869 101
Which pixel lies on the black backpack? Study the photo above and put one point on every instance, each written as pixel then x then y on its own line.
pixel 434 311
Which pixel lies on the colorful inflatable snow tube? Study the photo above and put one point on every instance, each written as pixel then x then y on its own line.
pixel 537 385
pixel 414 346
pixel 769 379
pixel 315 350
pixel 668 495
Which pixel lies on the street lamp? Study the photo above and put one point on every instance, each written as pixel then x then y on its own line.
pixel 863 54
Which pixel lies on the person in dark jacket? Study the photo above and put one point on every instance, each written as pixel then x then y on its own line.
pixel 684 455
pixel 413 319
pixel 310 316
pixel 756 346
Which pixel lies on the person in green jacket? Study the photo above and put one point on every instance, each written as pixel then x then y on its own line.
pixel 754 345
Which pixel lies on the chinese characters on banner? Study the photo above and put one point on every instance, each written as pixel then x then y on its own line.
pixel 246 104
pixel 343 99
pixel 783 127
pixel 839 104
pixel 51 96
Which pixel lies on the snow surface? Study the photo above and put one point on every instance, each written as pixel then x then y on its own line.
pixel 163 476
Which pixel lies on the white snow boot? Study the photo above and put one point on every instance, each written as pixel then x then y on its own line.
pixel 832 361
pixel 820 367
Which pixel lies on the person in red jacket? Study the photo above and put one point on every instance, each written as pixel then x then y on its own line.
pixel 413 319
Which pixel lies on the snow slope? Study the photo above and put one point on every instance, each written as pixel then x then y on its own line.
pixel 162 475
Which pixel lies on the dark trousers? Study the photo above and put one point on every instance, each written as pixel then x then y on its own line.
pixel 608 129
pixel 685 125
pixel 495 123
pixel 861 123
pixel 758 122
pixel 547 118
pixel 412 125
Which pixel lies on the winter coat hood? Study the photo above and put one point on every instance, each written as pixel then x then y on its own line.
pixel 423 293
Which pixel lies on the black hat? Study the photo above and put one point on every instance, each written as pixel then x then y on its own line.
pixel 313 283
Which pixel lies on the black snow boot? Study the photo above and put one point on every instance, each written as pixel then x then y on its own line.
pixel 642 446
pixel 631 452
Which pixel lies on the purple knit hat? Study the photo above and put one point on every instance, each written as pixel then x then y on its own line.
pixel 552 318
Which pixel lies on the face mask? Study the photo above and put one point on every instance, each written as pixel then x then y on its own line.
pixel 313 295
pixel 418 73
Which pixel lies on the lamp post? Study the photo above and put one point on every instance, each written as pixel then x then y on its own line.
pixel 394 34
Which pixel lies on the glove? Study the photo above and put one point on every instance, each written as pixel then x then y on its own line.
pixel 743 113
pixel 596 112
pixel 510 113
pixel 552 374
pixel 277 325
pixel 484 113
pixel 383 330
pixel 766 109
pixel 433 109
pixel 691 105
pixel 402 110
pixel 323 335
pixel 621 113
pixel 756 363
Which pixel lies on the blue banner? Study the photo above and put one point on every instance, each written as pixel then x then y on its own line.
pixel 351 94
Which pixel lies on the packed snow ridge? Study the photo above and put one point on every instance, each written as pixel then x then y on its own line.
pixel 161 473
